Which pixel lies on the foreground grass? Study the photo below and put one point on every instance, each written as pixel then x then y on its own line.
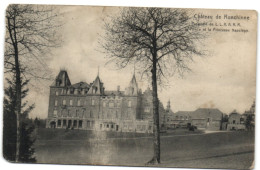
pixel 233 150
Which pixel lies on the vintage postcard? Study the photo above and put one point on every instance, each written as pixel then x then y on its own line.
pixel 130 86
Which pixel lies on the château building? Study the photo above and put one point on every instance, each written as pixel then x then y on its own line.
pixel 91 107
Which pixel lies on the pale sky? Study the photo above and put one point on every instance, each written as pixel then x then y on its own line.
pixel 225 79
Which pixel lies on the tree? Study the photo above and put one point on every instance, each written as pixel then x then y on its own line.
pixel 30 33
pixel 9 130
pixel 250 117
pixel 9 127
pixel 159 41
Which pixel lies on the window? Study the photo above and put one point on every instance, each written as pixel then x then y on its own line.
pixel 111 104
pixel 234 121
pixel 79 102
pixel 129 103
pixel 69 113
pixel 77 114
pixel 56 102
pixel 71 102
pixel 100 126
pixel 147 109
pixel 80 123
pixel 104 104
pixel 64 102
pixel 55 112
pixel 112 126
pixel 92 102
pixel 59 123
pixel 64 123
pixel 75 123
pixel 57 93
pixel 91 114
pixel 64 113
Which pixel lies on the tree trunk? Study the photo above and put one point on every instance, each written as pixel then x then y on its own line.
pixel 18 86
pixel 156 129
pixel 18 106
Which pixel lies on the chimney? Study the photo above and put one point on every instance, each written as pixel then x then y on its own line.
pixel 118 88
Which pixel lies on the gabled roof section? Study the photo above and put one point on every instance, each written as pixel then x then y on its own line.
pixel 208 110
pixel 115 92
pixel 62 80
pixel 81 84
pixel 205 112
pixel 96 88
pixel 183 113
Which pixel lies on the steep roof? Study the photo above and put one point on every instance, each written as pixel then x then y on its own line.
pixel 133 82
pixel 62 79
pixel 96 87
pixel 132 89
pixel 80 85
pixel 115 92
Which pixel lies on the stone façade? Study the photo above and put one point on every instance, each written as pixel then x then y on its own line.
pixel 90 107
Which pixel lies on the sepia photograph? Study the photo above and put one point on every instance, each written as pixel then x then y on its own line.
pixel 129 86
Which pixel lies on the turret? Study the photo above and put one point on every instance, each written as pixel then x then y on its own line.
pixel 62 80
pixel 132 89
pixel 168 106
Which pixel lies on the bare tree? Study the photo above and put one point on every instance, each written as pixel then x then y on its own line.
pixel 159 41
pixel 31 31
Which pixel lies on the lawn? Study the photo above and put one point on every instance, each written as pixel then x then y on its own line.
pixel 232 150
